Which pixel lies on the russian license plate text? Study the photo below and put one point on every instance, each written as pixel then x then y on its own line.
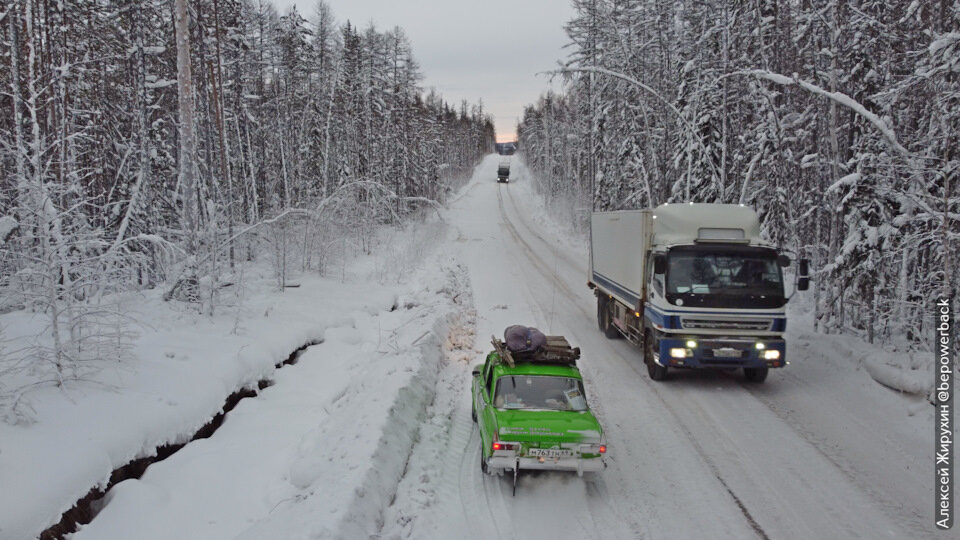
pixel 550 452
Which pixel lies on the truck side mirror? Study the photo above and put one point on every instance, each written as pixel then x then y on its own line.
pixel 659 264
pixel 803 283
pixel 783 261
pixel 476 371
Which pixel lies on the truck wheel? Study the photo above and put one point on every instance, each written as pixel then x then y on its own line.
pixel 473 411
pixel 756 375
pixel 601 313
pixel 603 318
pixel 655 370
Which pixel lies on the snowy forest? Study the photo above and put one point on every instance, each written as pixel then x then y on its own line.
pixel 154 143
pixel 838 121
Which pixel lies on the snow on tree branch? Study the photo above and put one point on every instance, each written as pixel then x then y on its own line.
pixel 838 97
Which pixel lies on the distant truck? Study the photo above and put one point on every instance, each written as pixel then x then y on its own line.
pixel 693 285
pixel 503 172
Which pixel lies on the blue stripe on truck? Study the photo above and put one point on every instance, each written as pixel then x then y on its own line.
pixel 618 289
pixel 661 320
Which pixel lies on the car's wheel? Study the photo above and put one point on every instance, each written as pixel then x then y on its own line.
pixel 483 463
pixel 756 375
pixel 655 370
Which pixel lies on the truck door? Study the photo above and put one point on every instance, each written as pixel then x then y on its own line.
pixel 656 283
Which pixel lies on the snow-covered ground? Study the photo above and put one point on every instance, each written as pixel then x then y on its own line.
pixel 329 434
pixel 369 433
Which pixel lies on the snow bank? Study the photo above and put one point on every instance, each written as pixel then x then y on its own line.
pixel 897 377
pixel 185 368
pixel 187 364
pixel 319 453
pixel 345 497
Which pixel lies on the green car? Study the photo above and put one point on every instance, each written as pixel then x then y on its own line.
pixel 533 414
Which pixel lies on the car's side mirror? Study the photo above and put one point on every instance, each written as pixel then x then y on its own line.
pixel 659 264
pixel 783 261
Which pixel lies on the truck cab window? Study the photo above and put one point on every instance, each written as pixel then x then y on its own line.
pixel 710 277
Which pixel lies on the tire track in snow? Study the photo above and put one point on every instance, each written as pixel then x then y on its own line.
pixel 448 448
pixel 572 297
pixel 563 255
pixel 600 505
pixel 889 502
pixel 531 255
pixel 809 439
pixel 700 450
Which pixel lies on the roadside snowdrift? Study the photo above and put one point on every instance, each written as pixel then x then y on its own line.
pixel 318 454
pixel 339 417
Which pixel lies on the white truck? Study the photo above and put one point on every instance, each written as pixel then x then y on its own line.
pixel 693 285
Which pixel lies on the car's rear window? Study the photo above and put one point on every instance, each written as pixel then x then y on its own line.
pixel 540 392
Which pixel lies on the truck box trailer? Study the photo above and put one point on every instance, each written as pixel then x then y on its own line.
pixel 503 172
pixel 693 285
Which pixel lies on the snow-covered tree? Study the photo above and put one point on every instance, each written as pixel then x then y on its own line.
pixel 835 120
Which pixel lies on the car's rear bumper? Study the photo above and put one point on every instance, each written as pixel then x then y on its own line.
pixel 578 465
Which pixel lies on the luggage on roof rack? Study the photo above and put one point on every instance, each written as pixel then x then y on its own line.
pixel 555 350
pixel 520 339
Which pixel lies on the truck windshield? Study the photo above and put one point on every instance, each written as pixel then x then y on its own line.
pixel 711 276
pixel 539 392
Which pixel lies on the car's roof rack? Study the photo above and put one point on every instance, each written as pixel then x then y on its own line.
pixel 557 350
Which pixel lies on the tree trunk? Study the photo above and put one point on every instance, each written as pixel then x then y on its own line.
pixel 187 170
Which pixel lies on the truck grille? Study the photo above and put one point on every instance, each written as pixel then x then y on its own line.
pixel 721 324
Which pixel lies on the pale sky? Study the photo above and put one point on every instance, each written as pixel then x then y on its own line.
pixel 489 50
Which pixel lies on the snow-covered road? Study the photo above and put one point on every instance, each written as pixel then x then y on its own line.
pixel 818 451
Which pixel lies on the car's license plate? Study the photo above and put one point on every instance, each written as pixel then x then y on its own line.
pixel 550 452
pixel 726 352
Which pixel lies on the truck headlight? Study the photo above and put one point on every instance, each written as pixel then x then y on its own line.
pixel 678 352
pixel 761 346
pixel 771 354
pixel 691 344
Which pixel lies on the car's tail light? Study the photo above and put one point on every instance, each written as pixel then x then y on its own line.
pixel 593 449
